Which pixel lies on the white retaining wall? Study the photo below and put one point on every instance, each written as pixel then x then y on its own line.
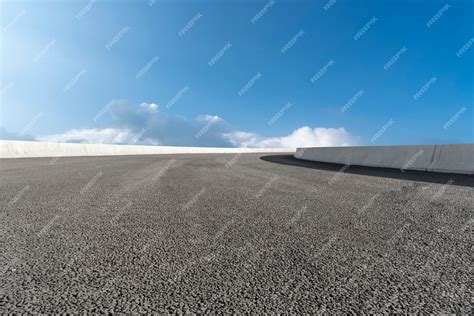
pixel 435 158
pixel 24 149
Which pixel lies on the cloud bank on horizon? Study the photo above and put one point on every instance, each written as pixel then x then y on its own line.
pixel 146 125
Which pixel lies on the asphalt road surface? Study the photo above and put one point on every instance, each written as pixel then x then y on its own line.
pixel 231 233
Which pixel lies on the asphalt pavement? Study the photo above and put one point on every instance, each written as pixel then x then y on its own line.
pixel 227 233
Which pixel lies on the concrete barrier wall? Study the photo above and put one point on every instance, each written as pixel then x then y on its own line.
pixel 24 149
pixel 434 158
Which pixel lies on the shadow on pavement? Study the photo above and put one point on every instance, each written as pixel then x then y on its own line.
pixel 433 177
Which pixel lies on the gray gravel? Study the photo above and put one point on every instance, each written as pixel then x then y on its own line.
pixel 231 233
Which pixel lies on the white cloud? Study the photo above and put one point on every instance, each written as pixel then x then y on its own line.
pixel 144 124
pixel 209 118
pixel 239 137
pixel 98 136
pixel 301 137
pixel 149 107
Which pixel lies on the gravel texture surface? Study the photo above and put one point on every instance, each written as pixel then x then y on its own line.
pixel 231 234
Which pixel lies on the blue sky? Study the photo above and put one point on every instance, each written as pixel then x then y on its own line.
pixel 242 73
